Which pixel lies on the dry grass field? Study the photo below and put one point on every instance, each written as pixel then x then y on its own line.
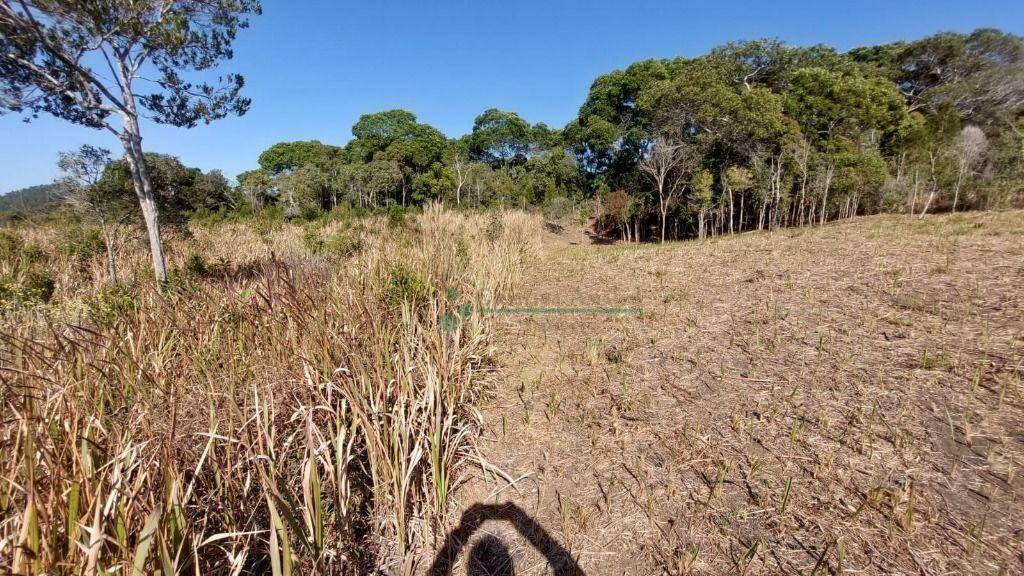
pixel 333 398
pixel 837 400
pixel 299 399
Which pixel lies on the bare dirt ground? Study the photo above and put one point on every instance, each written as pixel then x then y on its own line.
pixel 846 399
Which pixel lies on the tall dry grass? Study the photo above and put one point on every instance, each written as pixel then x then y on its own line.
pixel 274 412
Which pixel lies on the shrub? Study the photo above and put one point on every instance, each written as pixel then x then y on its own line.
pixel 36 287
pixel 495 227
pixel 312 239
pixel 113 301
pixel 196 265
pixel 404 285
pixel 10 245
pixel 81 244
pixel 31 254
pixel 342 245
pixel 396 216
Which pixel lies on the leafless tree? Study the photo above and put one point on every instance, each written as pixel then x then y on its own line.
pixel 970 144
pixel 461 169
pixel 800 151
pixel 665 163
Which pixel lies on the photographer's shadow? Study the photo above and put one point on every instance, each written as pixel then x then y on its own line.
pixel 489 556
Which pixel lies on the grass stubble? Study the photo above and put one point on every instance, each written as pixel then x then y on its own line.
pixel 837 400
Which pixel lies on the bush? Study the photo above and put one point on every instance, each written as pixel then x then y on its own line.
pixel 81 244
pixel 196 265
pixel 38 286
pixel 35 288
pixel 495 227
pixel 404 285
pixel 312 239
pixel 396 216
pixel 342 245
pixel 113 302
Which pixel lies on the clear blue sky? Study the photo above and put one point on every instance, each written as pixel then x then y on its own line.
pixel 312 67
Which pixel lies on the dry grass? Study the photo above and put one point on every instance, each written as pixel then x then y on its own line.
pixel 274 411
pixel 845 400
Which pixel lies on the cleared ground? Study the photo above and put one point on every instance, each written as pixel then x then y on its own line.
pixel 846 399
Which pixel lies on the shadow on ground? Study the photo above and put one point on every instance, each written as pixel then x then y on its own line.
pixel 489 555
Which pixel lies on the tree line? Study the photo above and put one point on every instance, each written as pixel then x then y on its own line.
pixel 752 135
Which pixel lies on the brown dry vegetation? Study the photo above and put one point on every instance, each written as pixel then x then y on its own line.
pixel 845 399
pixel 276 409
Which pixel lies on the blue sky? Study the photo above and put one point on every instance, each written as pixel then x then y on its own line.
pixel 312 67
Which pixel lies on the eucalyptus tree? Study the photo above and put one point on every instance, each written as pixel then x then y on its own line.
pixel 981 74
pixel 701 183
pixel 500 137
pixel 90 61
pixel 287 156
pixel 461 169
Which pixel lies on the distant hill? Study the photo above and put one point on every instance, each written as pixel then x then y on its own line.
pixel 39 198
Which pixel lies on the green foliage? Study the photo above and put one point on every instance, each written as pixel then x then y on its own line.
pixel 701 184
pixel 979 74
pixel 179 190
pixel 833 106
pixel 81 243
pixel 499 137
pixel 112 302
pixel 495 227
pixel 33 287
pixel 195 265
pixel 287 156
pixel 396 216
pixel 402 285
pixel 342 245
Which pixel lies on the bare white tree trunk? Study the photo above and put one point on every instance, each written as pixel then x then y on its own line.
pixel 824 199
pixel 959 182
pixel 132 142
pixel 934 188
pixel 913 200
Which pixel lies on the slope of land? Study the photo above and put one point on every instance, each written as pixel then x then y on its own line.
pixel 34 199
pixel 846 399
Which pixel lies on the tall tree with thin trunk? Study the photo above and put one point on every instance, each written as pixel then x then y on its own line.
pixel 461 168
pixel 665 164
pixel 91 61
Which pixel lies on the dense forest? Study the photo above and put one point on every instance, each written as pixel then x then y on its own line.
pixel 752 135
